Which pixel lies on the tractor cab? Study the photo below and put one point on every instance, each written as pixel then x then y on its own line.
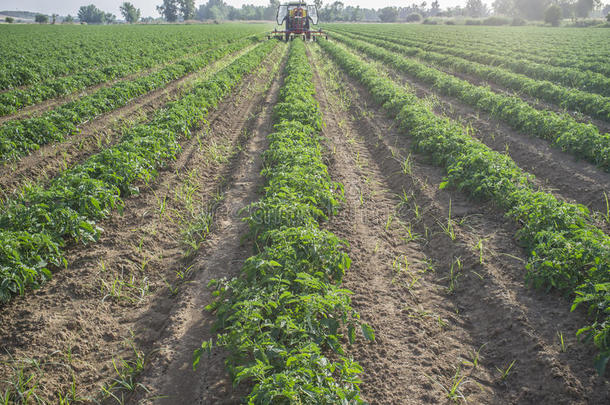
pixel 299 17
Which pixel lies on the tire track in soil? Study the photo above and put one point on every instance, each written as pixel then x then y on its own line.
pixel 556 171
pixel 99 133
pixel 170 376
pixel 490 305
pixel 71 315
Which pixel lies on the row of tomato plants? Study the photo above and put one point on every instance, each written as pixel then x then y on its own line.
pixel 36 226
pixel 19 137
pixel 575 78
pixel 13 100
pixel 595 105
pixel 286 308
pixel 582 140
pixel 566 251
pixel 55 51
pixel 583 54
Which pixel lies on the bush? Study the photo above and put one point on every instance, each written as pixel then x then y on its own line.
pixel 9 20
pixel 413 17
pixel 41 18
pixel 496 21
pixel 608 17
pixel 518 21
pixel 450 22
pixel 473 22
pixel 429 21
pixel 552 15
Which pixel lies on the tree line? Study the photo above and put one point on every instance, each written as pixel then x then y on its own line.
pixel 181 10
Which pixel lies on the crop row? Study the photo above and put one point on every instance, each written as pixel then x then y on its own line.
pixel 585 52
pixel 568 76
pixel 33 54
pixel 581 140
pixel 36 226
pixel 13 100
pixel 566 251
pixel 595 105
pixel 286 308
pixel 19 137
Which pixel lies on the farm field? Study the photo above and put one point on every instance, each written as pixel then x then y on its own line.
pixel 398 214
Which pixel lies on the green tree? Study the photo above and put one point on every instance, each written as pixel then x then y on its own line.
pixel 552 15
pixel 187 9
pixel 68 20
pixel 109 18
pixel 54 18
pixel 130 12
pixel 388 14
pixel 91 14
pixel 9 20
pixel 41 18
pixel 169 10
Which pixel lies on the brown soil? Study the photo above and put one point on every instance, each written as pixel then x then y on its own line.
pixel 115 300
pixel 602 125
pixel 97 134
pixel 557 172
pixel 428 328
pixel 186 324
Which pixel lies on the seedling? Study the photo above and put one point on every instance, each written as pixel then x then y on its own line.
pixel 504 373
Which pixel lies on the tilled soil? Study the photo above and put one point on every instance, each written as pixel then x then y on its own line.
pixel 440 278
pixel 98 133
pixel 102 320
pixel 556 172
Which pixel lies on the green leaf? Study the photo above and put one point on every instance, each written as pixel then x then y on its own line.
pixel 368 332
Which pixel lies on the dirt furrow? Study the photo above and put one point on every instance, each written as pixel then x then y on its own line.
pixel 441 289
pixel 187 325
pixel 97 134
pixel 556 171
pixel 109 306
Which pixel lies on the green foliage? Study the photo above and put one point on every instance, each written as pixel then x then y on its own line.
pixel 41 18
pixel 91 14
pixel 582 140
pixel 135 51
pixel 130 12
pixel 566 251
pixel 552 15
pixel 9 20
pixel 19 137
pixel 286 309
pixel 35 226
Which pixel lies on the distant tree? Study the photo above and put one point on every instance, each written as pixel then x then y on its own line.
pixel 9 20
pixel 130 12
pixel 187 9
pixel 584 7
pixel 413 17
pixel 552 15
pixel 54 18
pixel 318 4
pixel 531 9
pixel 91 14
pixel 41 18
pixel 608 17
pixel 435 8
pixel 476 8
pixel 68 19
pixel 606 10
pixel 505 7
pixel 169 10
pixel 109 18
pixel 388 14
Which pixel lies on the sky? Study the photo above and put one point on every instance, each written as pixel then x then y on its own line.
pixel 64 7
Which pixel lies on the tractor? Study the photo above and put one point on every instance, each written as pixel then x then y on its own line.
pixel 298 17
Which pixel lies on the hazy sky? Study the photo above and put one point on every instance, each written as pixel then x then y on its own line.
pixel 64 7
